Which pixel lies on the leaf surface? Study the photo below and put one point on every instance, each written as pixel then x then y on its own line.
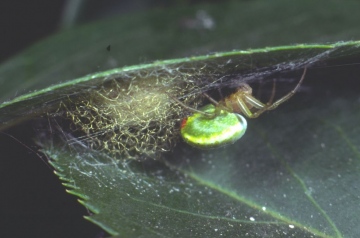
pixel 292 173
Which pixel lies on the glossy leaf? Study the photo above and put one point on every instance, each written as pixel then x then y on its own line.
pixel 292 173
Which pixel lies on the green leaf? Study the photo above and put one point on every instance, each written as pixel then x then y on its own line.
pixel 292 174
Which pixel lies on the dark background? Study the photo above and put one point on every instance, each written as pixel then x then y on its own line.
pixel 33 203
pixel 26 22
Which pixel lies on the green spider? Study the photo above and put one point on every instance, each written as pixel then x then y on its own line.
pixel 220 123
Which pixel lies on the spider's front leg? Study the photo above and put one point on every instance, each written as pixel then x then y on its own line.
pixel 272 106
pixel 245 100
pixel 290 94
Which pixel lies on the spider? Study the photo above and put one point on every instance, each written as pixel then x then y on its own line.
pixel 220 123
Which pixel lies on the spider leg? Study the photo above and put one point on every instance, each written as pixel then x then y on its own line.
pixel 246 100
pixel 289 95
pixel 270 106
pixel 218 106
pixel 190 108
pixel 272 93
pixel 255 103
pixel 213 101
pixel 246 97
pixel 265 107
pixel 251 100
